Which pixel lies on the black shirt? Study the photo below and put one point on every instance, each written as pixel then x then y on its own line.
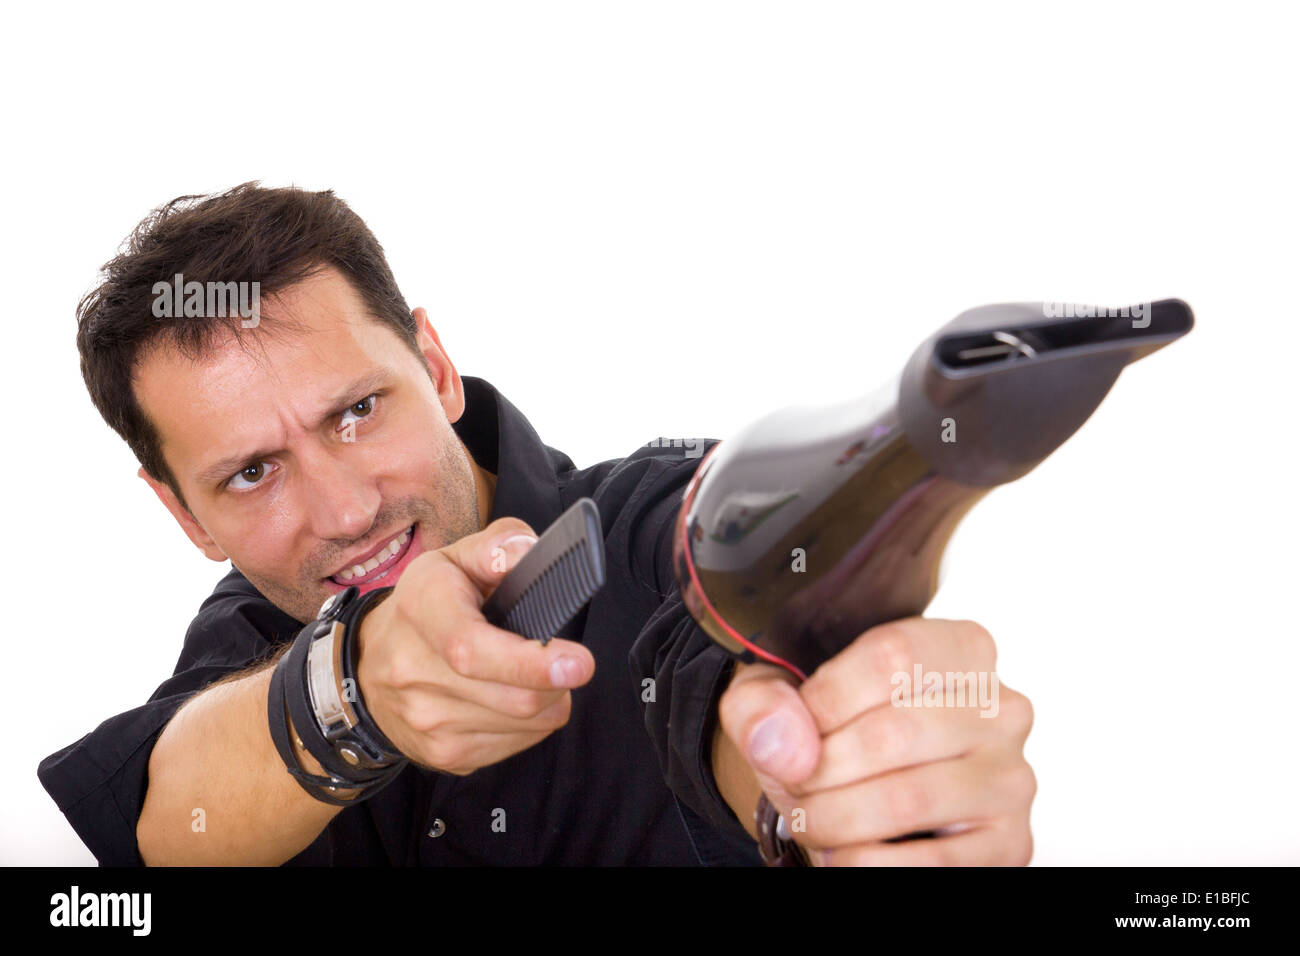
pixel 627 781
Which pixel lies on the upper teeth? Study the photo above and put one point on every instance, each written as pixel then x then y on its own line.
pixel 357 570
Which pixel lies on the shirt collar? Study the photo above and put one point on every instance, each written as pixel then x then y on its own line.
pixel 502 441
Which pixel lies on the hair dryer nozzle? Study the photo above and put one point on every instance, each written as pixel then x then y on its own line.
pixel 1001 387
pixel 813 525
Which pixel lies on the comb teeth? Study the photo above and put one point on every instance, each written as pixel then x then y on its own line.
pixel 554 579
pixel 548 603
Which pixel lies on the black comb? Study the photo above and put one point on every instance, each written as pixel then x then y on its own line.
pixel 557 576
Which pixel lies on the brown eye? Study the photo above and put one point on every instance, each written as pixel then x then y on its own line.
pixel 362 409
pixel 248 477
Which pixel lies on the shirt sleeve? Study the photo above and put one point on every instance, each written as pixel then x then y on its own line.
pixel 690 670
pixel 99 782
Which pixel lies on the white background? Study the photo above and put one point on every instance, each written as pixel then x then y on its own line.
pixel 668 218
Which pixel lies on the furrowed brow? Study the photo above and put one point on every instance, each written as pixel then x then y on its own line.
pixel 341 400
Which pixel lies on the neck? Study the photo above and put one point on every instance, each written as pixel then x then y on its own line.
pixel 486 484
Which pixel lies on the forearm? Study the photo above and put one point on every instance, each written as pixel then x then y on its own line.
pixel 216 755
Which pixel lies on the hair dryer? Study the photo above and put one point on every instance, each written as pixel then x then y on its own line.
pixel 813 525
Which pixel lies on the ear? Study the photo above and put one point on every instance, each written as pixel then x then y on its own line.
pixel 446 379
pixel 193 530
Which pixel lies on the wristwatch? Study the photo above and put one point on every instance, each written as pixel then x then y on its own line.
pixel 334 690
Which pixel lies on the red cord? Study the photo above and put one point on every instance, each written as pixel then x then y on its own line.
pixel 699 590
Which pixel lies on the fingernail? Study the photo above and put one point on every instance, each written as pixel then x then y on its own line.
pixel 769 742
pixel 519 540
pixel 508 550
pixel 565 672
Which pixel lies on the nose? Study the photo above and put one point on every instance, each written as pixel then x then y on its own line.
pixel 338 494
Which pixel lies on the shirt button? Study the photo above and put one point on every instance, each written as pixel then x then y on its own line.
pixel 438 828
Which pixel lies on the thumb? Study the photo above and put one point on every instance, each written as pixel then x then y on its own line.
pixel 763 714
pixel 489 555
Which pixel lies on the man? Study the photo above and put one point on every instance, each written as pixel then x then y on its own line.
pixel 325 440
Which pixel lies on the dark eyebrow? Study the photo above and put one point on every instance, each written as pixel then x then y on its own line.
pixel 343 399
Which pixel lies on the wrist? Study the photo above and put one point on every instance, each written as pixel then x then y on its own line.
pixel 306 761
pixel 739 785
pixel 315 705
pixel 734 777
pixel 376 623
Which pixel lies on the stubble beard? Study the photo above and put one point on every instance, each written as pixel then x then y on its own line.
pixel 442 519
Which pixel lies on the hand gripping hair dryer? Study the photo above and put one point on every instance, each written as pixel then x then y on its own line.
pixel 813 525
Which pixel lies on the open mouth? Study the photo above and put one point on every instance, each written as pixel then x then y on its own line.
pixel 379 565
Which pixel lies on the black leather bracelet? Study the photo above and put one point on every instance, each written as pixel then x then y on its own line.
pixel 315 682
pixel 333 789
pixel 366 730
pixel 772 847
pixel 325 789
pixel 306 721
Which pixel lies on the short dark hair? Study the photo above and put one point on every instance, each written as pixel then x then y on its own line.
pixel 275 237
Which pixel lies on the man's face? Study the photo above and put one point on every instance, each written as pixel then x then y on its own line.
pixel 305 453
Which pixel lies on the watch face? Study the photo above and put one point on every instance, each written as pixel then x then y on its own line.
pixel 327 606
pixel 335 602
